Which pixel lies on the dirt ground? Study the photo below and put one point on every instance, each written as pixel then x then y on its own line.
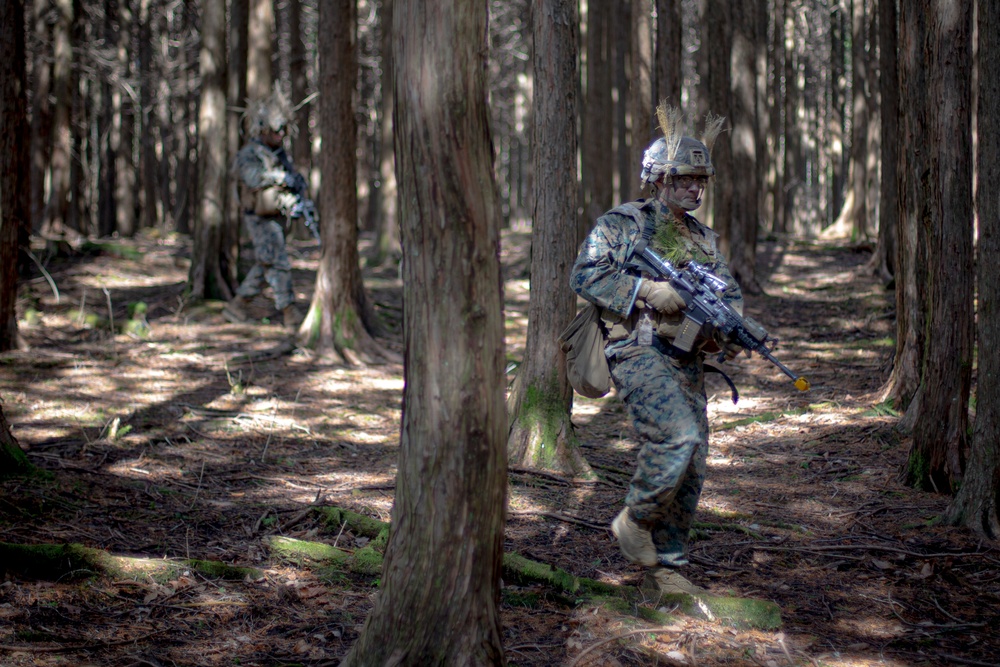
pixel 163 446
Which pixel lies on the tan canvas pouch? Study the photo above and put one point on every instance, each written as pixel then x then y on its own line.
pixel 583 342
pixel 267 201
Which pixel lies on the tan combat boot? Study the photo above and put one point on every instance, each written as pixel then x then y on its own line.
pixel 670 581
pixel 292 318
pixel 236 310
pixel 635 542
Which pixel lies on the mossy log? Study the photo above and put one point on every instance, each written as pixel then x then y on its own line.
pixel 521 571
pixel 75 561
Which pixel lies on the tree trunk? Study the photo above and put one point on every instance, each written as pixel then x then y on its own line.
pixel 792 181
pixel 59 165
pixel 341 321
pixel 854 215
pixel 539 405
pixel 12 459
pixel 41 114
pixel 149 203
pixel 936 208
pixel 598 123
pixel 669 53
pixel 382 203
pixel 123 130
pixel 719 34
pixel 838 95
pixel 885 262
pixel 622 51
pixel 260 43
pixel 776 176
pixel 15 208
pixel 441 576
pixel 977 504
pixel 743 140
pixel 210 275
pixel 236 94
pixel 640 97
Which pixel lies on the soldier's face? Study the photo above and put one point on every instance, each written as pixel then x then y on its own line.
pixel 687 191
pixel 272 138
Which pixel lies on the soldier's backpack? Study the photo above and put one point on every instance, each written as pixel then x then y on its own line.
pixel 583 342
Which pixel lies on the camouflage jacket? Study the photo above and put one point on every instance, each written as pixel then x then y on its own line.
pixel 262 171
pixel 600 274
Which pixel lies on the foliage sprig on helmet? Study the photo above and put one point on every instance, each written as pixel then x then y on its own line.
pixel 676 154
pixel 273 113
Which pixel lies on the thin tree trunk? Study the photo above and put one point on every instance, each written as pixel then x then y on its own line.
pixel 669 54
pixel 640 97
pixel 209 275
pixel 123 130
pixel 260 42
pixel 440 585
pixel 148 217
pixel 936 203
pixel 885 261
pixel 743 140
pixel 598 123
pixel 539 404
pixel 382 208
pixel 776 184
pixel 41 114
pixel 341 321
pixel 977 504
pixel 15 208
pixel 59 166
pixel 719 35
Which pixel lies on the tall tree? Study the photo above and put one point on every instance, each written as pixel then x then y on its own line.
pixel 236 93
pixel 884 260
pixel 14 192
pixel 12 458
pixel 147 93
pixel 212 271
pixel 440 581
pixel 260 45
pixel 62 85
pixel 640 97
pixel 539 404
pixel 382 201
pixel 669 53
pixel 719 37
pixel 745 186
pixel 977 504
pixel 341 321
pixel 934 289
pixel 855 213
pixel 597 165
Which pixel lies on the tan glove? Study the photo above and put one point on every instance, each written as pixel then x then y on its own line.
pixel 661 296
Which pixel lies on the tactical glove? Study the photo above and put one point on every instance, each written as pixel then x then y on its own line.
pixel 728 348
pixel 295 183
pixel 661 296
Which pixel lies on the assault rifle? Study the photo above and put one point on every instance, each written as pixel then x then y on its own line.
pixel 304 207
pixel 701 290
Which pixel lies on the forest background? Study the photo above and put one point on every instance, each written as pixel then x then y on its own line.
pixel 852 122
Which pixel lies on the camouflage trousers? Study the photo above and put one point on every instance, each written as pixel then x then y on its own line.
pixel 271 262
pixel 666 399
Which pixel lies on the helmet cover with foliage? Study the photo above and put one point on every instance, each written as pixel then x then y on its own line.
pixel 676 154
pixel 273 113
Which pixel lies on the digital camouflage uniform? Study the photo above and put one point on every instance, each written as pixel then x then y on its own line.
pixel 662 387
pixel 267 204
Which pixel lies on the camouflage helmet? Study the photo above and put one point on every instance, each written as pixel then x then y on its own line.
pixel 675 154
pixel 273 113
pixel 691 158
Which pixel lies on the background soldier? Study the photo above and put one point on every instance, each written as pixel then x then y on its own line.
pixel 272 192
pixel 662 386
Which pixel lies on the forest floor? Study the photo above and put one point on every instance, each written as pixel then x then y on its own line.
pixel 162 445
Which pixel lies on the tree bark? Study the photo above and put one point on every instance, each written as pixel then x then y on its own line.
pixel 641 104
pixel 12 459
pixel 440 580
pixel 977 504
pixel 936 210
pixel 885 261
pixel 597 164
pixel 719 34
pixel 260 46
pixel 540 402
pixel 15 208
pixel 59 164
pixel 382 207
pixel 341 321
pixel 669 53
pixel 743 140
pixel 211 275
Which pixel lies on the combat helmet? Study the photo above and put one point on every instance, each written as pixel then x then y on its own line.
pixel 274 113
pixel 675 154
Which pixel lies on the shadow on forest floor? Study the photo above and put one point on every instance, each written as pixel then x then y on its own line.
pixel 161 446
